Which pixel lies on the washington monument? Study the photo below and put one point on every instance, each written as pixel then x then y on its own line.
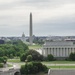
pixel 31 31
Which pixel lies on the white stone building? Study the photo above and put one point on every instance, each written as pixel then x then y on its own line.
pixel 23 38
pixel 58 48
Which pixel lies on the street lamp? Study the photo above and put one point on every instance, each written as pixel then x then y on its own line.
pixel 26 61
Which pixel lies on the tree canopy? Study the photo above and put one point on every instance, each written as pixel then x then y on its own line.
pixel 35 55
pixel 15 48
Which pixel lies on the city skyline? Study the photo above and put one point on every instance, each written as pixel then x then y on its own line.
pixel 50 17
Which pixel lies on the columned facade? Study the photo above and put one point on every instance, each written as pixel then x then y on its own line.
pixel 58 48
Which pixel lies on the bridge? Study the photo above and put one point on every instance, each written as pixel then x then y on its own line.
pixel 10 71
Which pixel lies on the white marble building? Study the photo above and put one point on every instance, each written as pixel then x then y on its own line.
pixel 58 48
pixel 23 38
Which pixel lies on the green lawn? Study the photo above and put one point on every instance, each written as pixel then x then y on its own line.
pixel 44 62
pixel 62 67
pixel 9 65
pixel 35 46
pixel 51 62
pixel 14 60
pixel 59 62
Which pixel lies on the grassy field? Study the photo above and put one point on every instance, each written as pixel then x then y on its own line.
pixel 59 62
pixel 44 62
pixel 14 60
pixel 9 65
pixel 69 67
pixel 35 46
pixel 47 63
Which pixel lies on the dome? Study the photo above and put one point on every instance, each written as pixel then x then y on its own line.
pixel 23 35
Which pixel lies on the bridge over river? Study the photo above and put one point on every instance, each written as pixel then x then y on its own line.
pixel 11 71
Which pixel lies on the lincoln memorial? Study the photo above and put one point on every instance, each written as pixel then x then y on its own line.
pixel 58 48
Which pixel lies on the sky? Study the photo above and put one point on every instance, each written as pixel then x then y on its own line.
pixel 50 17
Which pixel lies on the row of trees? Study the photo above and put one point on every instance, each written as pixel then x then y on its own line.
pixel 37 40
pixel 11 49
pixel 71 57
pixel 16 48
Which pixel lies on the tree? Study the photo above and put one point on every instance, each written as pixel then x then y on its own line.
pixel 50 57
pixel 38 40
pixel 1 59
pixel 20 44
pixel 1 52
pixel 29 58
pixel 16 48
pixel 11 56
pixel 33 68
pixel 4 59
pixel 72 56
pixel 35 55
pixel 23 57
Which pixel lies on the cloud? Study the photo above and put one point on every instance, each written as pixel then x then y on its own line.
pixel 49 16
pixel 62 26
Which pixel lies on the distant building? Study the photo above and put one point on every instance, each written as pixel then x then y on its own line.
pixel 59 48
pixel 23 38
pixel 2 41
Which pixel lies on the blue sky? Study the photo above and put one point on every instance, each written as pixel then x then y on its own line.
pixel 50 17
